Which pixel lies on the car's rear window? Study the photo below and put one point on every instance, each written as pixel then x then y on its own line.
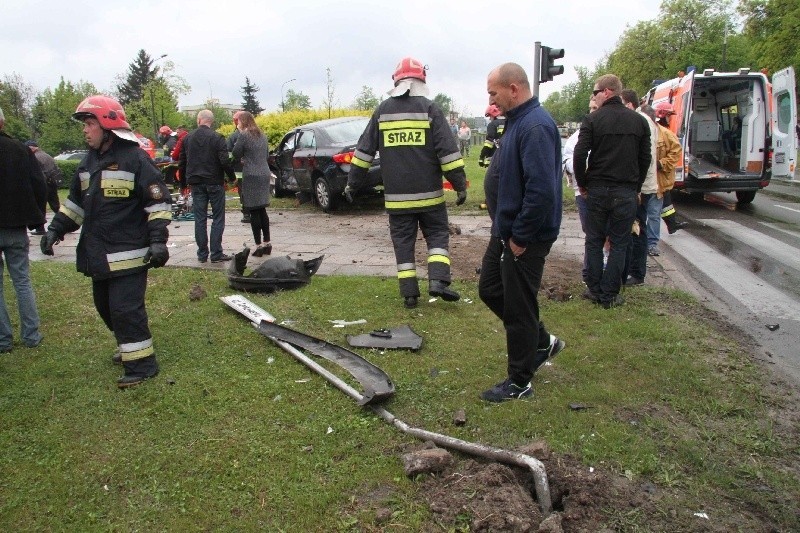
pixel 346 132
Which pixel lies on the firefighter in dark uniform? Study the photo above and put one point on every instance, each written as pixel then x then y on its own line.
pixel 497 124
pixel 121 204
pixel 416 149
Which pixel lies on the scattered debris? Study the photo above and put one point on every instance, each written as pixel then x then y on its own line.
pixel 578 406
pixel 343 323
pixel 401 337
pixel 197 293
pixel 701 515
pixel 454 229
pixel 426 461
pixel 773 327
pixel 460 417
pixel 276 273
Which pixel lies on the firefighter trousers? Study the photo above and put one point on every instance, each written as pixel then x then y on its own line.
pixel 120 303
pixel 435 230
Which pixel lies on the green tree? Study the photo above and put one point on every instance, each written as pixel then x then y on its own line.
pixel 296 101
pixel 249 101
pixel 699 33
pixel 444 102
pixel 366 100
pixel 52 115
pixel 16 99
pixel 773 30
pixel 140 72
pixel 157 107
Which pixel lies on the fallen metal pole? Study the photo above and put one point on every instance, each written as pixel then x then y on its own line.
pixel 497 454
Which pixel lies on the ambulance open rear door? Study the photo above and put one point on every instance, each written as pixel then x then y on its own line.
pixel 783 119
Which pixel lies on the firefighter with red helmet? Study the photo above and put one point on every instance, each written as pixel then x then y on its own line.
pixel 668 156
pixel 416 149
pixel 122 207
pixel 494 130
pixel 167 139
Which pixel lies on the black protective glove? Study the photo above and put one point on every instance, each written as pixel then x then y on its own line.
pixel 482 163
pixel 49 240
pixel 348 194
pixel 461 197
pixel 157 255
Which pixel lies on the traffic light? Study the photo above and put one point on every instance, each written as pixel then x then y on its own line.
pixel 547 69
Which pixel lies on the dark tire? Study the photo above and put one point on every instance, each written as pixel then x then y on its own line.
pixel 745 197
pixel 324 196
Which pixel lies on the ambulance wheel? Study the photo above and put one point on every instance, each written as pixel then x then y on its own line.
pixel 745 197
pixel 323 195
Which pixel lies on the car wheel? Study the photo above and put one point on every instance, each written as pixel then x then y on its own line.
pixel 745 197
pixel 323 195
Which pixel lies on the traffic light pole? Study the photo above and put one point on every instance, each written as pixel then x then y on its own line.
pixel 537 64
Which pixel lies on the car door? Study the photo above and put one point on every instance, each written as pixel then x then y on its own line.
pixel 304 158
pixel 783 119
pixel 284 157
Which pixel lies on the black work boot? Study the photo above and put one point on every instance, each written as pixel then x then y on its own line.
pixel 440 288
pixel 673 224
pixel 138 371
pixel 410 302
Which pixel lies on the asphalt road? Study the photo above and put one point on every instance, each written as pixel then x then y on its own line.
pixel 744 263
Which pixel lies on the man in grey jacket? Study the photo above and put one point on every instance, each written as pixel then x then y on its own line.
pixel 205 162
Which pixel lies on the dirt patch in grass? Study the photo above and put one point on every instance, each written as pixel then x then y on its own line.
pixel 479 496
pixel 559 282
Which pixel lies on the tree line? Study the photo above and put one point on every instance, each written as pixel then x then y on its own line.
pixel 759 34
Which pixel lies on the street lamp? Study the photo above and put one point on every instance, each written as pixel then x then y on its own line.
pixel 283 106
pixel 153 102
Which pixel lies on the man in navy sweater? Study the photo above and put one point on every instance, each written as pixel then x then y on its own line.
pixel 524 194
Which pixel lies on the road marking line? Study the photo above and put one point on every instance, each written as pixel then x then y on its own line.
pixel 789 208
pixel 761 298
pixel 776 227
pixel 769 246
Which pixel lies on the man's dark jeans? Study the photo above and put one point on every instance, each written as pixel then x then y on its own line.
pixel 611 214
pixel 509 287
pixel 636 258
pixel 202 195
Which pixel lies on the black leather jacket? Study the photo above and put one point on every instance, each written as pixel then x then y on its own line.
pixel 617 143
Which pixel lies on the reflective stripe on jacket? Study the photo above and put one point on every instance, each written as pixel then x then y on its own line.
pixel 120 202
pixel 416 149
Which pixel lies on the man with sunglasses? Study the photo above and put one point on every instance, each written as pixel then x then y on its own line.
pixel 616 142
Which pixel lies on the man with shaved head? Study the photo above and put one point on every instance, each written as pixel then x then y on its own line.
pixel 523 190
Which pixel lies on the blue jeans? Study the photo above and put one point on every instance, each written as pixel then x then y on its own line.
pixel 202 195
pixel 611 214
pixel 14 247
pixel 653 206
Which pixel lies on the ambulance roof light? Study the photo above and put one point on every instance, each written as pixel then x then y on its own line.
pixel 708 72
pixel 743 71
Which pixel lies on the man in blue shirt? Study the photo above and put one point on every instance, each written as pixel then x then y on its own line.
pixel 525 199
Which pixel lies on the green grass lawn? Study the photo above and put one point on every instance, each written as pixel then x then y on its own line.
pixel 234 434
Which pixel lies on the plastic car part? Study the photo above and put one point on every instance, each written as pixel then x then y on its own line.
pixel 276 273
pixel 376 384
pixel 401 337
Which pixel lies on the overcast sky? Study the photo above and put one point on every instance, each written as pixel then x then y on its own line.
pixel 214 45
